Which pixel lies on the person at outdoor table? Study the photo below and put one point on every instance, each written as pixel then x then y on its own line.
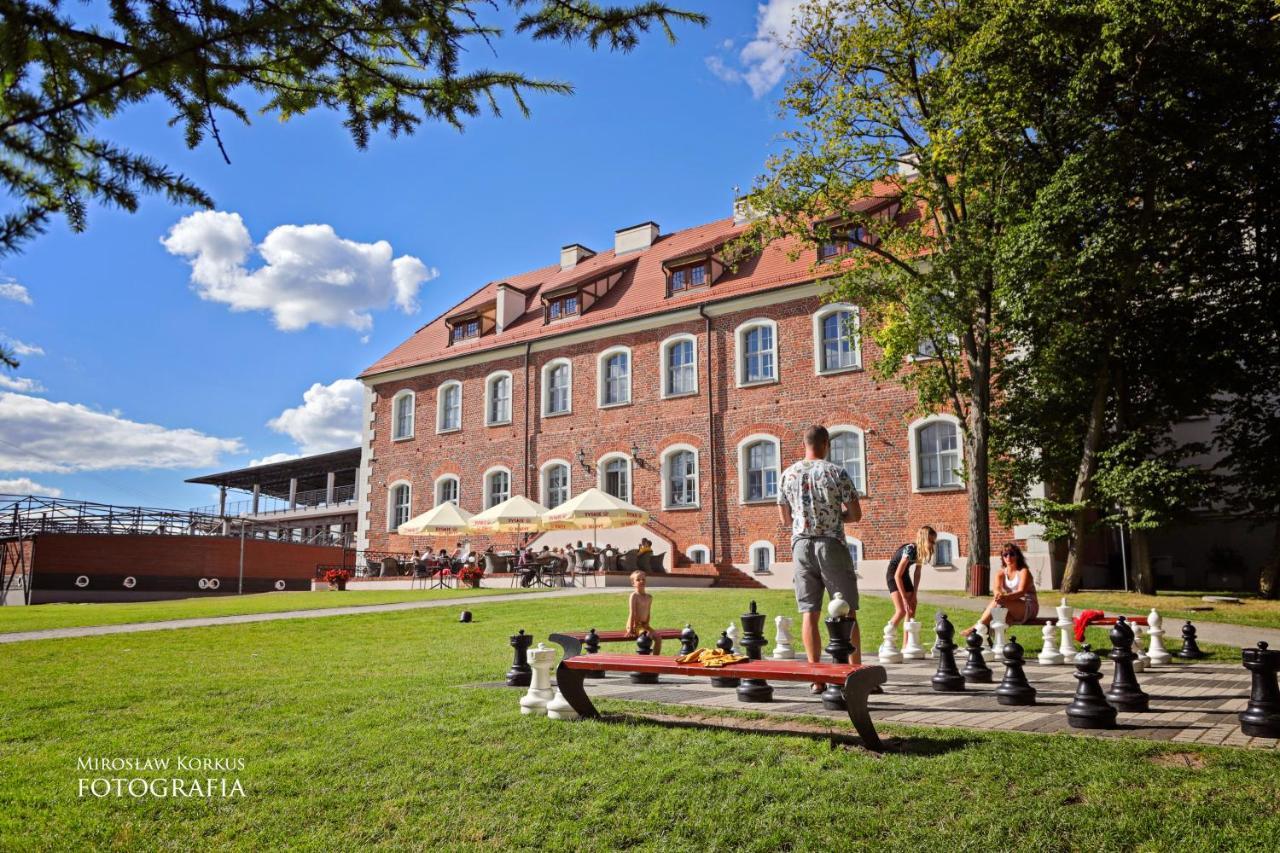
pixel 1015 589
pixel 902 578
pixel 646 547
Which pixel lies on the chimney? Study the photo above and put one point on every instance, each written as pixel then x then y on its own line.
pixel 743 211
pixel 572 254
pixel 635 238
pixel 511 304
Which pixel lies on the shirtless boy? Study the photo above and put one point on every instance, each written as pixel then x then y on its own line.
pixel 640 616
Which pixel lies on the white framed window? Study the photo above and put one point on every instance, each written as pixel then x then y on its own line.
pixel 614 472
pixel 557 387
pixel 936 459
pixel 698 554
pixel 497 397
pixel 680 477
pixel 447 489
pixel 497 486
pixel 679 366
pixel 758 468
pixel 836 345
pixel 849 450
pixel 756 359
pixel 402 411
pixel 613 377
pixel 449 407
pixel 761 556
pixel 855 548
pixel 556 482
pixel 399 504
pixel 946 550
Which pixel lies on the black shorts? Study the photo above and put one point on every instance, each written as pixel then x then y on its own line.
pixel 890 581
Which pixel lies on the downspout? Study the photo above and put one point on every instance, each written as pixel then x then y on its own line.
pixel 527 347
pixel 715 486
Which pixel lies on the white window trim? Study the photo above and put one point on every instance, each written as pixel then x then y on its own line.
pixel 751 554
pixel 854 540
pixel 663 368
pixel 688 551
pixel 440 392
pixel 818 349
pixel 832 432
pixel 600 474
pixel 484 481
pixel 542 479
pixel 488 400
pixel 740 352
pixel 391 504
pixel 601 359
pixel 435 487
pixel 546 387
pixel 914 427
pixel 742 466
pixel 413 413
pixel 664 471
pixel 955 551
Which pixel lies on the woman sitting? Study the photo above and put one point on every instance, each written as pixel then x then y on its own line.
pixel 903 576
pixel 1015 589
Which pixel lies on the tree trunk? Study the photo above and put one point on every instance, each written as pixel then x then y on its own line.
pixel 1144 578
pixel 1269 578
pixel 1073 575
pixel 977 446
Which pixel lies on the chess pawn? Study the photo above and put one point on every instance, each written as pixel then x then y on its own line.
pixel 644 646
pixel 912 650
pixel 732 632
pixel 1089 708
pixel 782 649
pixel 1140 659
pixel 888 652
pixel 1014 689
pixel 1066 631
pixel 688 640
pixel 1125 694
pixel 975 669
pixel 1049 655
pixel 541 659
pixel 591 645
pixel 998 625
pixel 1157 654
pixel 724 644
pixel 519 675
pixel 947 679
pixel 1190 649
pixel 1261 718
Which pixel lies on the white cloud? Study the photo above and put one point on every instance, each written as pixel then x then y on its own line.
pixel 21 348
pixel 27 486
pixel 10 289
pixel 762 62
pixel 274 458
pixel 42 435
pixel 20 383
pixel 309 273
pixel 328 419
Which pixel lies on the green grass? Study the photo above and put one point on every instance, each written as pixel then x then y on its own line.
pixel 43 616
pixel 368 731
pixel 1252 611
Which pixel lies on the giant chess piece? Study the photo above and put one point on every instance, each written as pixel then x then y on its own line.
pixel 1157 654
pixel 1089 709
pixel 1261 718
pixel 888 652
pixel 975 669
pixel 782 649
pixel 688 640
pixel 1066 631
pixel 732 633
pixel 591 645
pixel 724 644
pixel 937 620
pixel 912 650
pixel 998 625
pixel 540 693
pixel 644 646
pixel 1049 654
pixel 947 679
pixel 839 629
pixel 519 675
pixel 1190 649
pixel 1125 694
pixel 1140 659
pixel 754 689
pixel 1014 689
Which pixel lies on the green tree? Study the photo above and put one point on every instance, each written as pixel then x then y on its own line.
pixel 385 65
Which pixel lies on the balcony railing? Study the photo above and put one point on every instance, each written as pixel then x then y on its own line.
pixel 343 497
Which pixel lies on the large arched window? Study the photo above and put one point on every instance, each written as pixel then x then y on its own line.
pixel 557 387
pixel 758 468
pixel 679 365
pixel 680 477
pixel 835 339
pixel 615 475
pixel 399 502
pixel 757 352
pixel 849 452
pixel 497 486
pixel 449 407
pixel 556 484
pixel 946 550
pixel 935 453
pixel 497 396
pixel 402 415
pixel 447 489
pixel 614 376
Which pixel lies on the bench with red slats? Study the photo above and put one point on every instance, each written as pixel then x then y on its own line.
pixel 571 641
pixel 858 681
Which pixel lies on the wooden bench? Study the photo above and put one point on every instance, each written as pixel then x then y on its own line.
pixel 571 641
pixel 858 681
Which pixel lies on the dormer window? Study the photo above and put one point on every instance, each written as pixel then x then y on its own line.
pixel 472 323
pixel 686 277
pixel 843 240
pixel 562 306
pixel 470 329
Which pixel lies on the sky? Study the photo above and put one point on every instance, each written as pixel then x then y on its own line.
pixel 173 341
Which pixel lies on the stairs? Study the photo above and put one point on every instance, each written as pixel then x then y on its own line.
pixel 731 578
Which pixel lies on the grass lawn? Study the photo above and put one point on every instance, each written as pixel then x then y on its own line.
pixel 42 616
pixel 1253 611
pixel 365 731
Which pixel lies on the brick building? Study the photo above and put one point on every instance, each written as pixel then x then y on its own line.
pixel 664 375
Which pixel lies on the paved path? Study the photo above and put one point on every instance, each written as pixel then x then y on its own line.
pixel 240 619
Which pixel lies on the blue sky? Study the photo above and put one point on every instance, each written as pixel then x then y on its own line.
pixel 137 375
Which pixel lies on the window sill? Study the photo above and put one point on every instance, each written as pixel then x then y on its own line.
pixel 449 430
pixel 557 414
pixel 836 371
pixel 621 405
pixel 759 501
pixel 403 438
pixel 499 423
pixel 681 395
pixel 758 382
pixel 681 507
pixel 935 490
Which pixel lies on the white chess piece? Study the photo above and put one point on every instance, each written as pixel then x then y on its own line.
pixel 998 625
pixel 782 649
pixel 838 608
pixel 1157 654
pixel 1139 662
pixel 888 652
pixel 983 631
pixel 732 631
pixel 560 709
pixel 1049 654
pixel 541 659
pixel 912 650
pixel 1067 630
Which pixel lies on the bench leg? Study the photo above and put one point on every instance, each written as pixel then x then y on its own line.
pixel 572 645
pixel 569 682
pixel 860 684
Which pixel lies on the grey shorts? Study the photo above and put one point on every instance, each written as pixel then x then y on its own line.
pixel 823 565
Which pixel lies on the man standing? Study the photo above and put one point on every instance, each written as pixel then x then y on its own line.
pixel 817 498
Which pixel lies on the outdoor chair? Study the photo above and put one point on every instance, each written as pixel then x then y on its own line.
pixel 629 561
pixel 390 567
pixel 371 568
pixel 421 572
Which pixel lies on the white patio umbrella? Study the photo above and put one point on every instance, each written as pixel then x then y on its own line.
pixel 447 519
pixel 516 514
pixel 596 510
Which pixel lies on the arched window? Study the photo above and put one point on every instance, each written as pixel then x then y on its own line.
pixel 497 486
pixel 946 550
pixel 757 358
pixel 935 453
pixel 855 548
pixel 402 415
pixel 449 416
pixel 497 398
pixel 615 476
pixel 680 477
pixel 399 501
pixel 679 365
pixel 614 372
pixel 761 556
pixel 555 483
pixel 758 468
pixel 447 489
pixel 698 554
pixel 557 387
pixel 835 339
pixel 847 451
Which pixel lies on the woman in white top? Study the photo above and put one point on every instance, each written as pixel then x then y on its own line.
pixel 1015 589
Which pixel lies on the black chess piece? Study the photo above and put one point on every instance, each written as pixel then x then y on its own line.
pixel 975 669
pixel 724 644
pixel 591 645
pixel 947 679
pixel 1014 689
pixel 520 674
pixel 464 616
pixel 688 640
pixel 753 640
pixel 1190 649
pixel 1089 709
pixel 1262 716
pixel 840 647
pixel 1124 694
pixel 644 646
